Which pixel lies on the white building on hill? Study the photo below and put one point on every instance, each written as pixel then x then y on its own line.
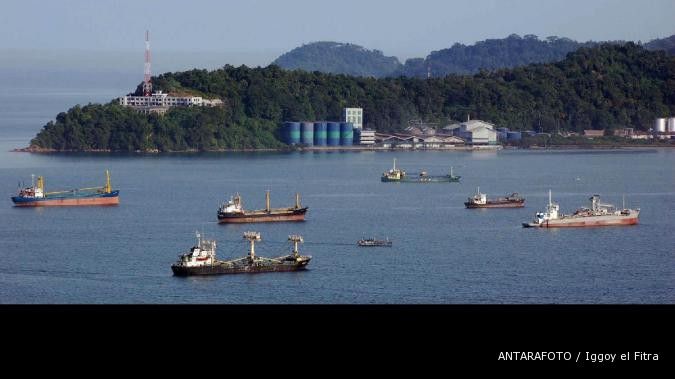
pixel 160 102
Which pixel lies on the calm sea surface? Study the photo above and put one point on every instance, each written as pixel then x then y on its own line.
pixel 442 253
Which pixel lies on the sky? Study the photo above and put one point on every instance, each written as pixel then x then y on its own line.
pixel 202 33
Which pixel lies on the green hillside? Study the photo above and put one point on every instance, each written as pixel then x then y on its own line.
pixel 605 87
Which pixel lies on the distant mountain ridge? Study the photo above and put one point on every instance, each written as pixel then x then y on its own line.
pixel 339 58
pixel 667 44
pixel 490 54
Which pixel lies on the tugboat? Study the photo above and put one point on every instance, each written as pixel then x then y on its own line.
pixel 598 215
pixel 35 195
pixel 397 175
pixel 374 242
pixel 233 212
pixel 480 200
pixel 201 259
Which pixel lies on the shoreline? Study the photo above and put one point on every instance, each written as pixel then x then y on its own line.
pixel 352 149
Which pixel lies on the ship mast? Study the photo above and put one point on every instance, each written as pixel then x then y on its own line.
pixel 549 197
pixel 267 201
pixel 108 188
pixel 297 200
pixel 394 169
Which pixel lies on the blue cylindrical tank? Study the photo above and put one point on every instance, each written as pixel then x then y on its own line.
pixel 320 133
pixel 346 133
pixel 514 136
pixel 333 137
pixel 307 133
pixel 502 136
pixel 293 133
pixel 284 131
pixel 357 136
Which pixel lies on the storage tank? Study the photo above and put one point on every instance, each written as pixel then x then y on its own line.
pixel 357 136
pixel 346 133
pixel 660 125
pixel 285 127
pixel 320 134
pixel 333 138
pixel 293 133
pixel 307 133
pixel 671 124
pixel 514 136
pixel 501 135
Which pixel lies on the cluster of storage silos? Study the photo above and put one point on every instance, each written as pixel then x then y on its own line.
pixel 662 125
pixel 502 134
pixel 318 133
pixel 514 136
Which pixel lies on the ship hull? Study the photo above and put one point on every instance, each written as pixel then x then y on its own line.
pixel 247 269
pixel 585 222
pixel 506 204
pixel 422 180
pixel 251 217
pixel 97 199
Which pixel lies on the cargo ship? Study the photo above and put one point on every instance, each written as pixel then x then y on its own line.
pixel 35 195
pixel 374 242
pixel 480 200
pixel 233 212
pixel 201 259
pixel 597 215
pixel 397 175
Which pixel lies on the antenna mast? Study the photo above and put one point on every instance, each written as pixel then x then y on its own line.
pixel 147 85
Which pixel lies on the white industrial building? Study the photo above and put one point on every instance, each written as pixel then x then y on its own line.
pixel 353 115
pixel 367 137
pixel 474 132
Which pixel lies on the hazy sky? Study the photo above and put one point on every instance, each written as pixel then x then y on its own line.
pixel 256 31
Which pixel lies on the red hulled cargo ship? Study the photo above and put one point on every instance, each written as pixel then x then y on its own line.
pixel 35 195
pixel 597 215
pixel 233 212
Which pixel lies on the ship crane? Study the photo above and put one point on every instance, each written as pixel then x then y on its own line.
pixel 252 237
pixel 295 239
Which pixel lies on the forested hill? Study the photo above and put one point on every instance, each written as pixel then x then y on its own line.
pixel 491 54
pixel 667 44
pixel 605 87
pixel 339 58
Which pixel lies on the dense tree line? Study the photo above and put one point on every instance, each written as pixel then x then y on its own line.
pixel 339 58
pixel 117 128
pixel 605 87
